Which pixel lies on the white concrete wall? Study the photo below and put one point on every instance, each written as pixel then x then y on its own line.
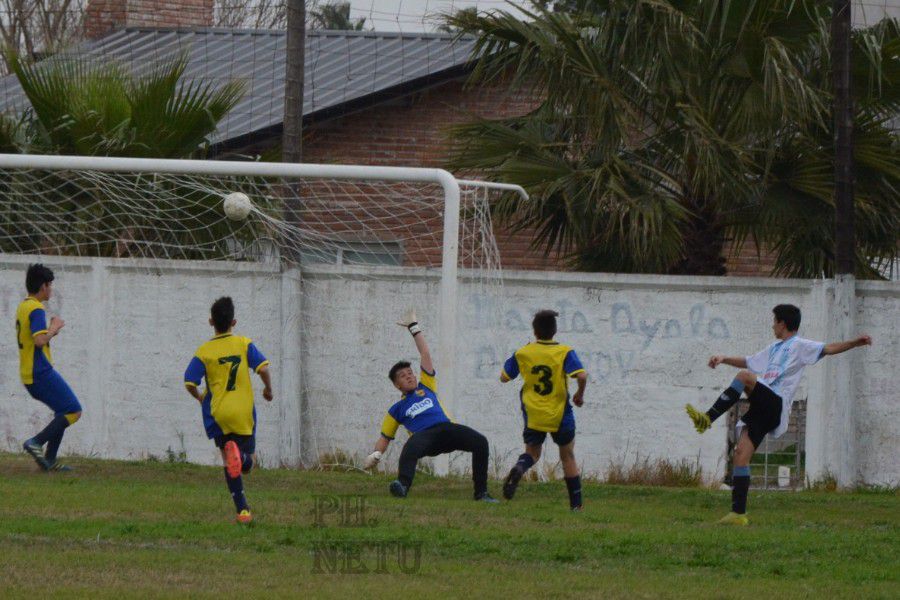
pixel 130 332
pixel 875 380
pixel 645 341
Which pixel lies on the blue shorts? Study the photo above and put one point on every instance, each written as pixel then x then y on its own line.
pixel 534 437
pixel 564 433
pixel 51 389
pixel 246 443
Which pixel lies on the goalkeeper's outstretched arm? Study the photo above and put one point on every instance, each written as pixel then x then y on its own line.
pixel 424 353
pixel 409 321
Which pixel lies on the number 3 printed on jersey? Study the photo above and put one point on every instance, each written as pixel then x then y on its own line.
pixel 546 373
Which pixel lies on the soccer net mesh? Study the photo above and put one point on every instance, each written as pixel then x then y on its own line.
pixel 320 269
pixel 181 217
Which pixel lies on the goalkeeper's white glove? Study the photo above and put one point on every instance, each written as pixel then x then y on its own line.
pixel 372 460
pixel 409 321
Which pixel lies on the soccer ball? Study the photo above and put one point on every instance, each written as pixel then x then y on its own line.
pixel 237 206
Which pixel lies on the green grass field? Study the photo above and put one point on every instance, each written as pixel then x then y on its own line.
pixel 115 529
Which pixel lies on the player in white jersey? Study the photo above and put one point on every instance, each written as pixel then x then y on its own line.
pixel 769 378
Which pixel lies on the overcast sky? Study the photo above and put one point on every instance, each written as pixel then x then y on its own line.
pixel 418 15
pixel 414 15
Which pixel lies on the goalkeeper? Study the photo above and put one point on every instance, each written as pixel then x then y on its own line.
pixel 431 430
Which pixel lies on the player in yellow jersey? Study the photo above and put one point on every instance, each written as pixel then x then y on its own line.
pixel 33 335
pixel 229 415
pixel 544 365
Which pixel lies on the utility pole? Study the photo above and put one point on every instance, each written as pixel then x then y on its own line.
pixel 844 234
pixel 292 136
pixel 831 442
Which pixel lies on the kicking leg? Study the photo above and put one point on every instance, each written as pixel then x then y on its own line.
pixel 745 381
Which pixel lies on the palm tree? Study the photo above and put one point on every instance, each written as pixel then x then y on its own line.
pixel 335 15
pixel 80 107
pixel 667 126
pixel 83 107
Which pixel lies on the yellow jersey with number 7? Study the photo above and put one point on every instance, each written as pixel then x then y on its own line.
pixel 226 361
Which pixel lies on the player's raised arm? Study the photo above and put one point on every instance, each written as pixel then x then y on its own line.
pixel 838 347
pixel 739 362
pixel 409 321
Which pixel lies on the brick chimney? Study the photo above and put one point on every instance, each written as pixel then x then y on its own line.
pixel 104 16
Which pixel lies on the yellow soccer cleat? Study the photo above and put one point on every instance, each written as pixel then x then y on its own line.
pixel 701 420
pixel 244 517
pixel 733 518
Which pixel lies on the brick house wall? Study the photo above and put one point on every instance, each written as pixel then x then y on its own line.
pixel 412 132
pixel 749 262
pixel 104 16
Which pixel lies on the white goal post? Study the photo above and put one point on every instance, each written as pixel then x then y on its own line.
pixel 448 184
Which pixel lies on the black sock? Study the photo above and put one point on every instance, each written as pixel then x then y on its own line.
pixel 236 487
pixel 52 430
pixel 53 447
pixel 246 463
pixel 726 400
pixel 574 486
pixel 740 484
pixel 525 462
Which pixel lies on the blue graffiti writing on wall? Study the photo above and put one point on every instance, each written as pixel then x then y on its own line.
pixel 487 312
pixel 623 322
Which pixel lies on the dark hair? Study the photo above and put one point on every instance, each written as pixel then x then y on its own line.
pixel 37 276
pixel 222 313
pixel 400 365
pixel 544 324
pixel 789 315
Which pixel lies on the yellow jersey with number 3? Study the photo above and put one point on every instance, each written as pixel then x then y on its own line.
pixel 225 361
pixel 544 366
